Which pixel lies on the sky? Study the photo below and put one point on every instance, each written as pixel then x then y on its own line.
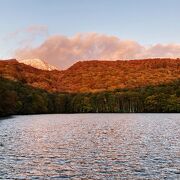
pixel 64 31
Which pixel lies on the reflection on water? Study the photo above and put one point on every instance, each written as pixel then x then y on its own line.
pixel 90 146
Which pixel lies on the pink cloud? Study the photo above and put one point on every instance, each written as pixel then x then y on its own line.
pixel 31 30
pixel 63 51
pixel 37 29
pixel 26 36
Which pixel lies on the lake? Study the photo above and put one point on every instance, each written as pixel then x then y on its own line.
pixel 90 146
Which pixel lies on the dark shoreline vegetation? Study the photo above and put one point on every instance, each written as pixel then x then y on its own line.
pixel 17 98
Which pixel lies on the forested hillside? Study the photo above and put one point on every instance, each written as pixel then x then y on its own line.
pixel 13 70
pixel 91 86
pixel 95 76
pixel 17 98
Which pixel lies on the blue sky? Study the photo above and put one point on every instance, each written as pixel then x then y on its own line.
pixel 144 21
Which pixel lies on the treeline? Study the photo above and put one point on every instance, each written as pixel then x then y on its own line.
pixel 17 98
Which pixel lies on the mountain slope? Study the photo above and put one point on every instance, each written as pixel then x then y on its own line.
pixel 13 70
pixel 93 76
pixel 109 75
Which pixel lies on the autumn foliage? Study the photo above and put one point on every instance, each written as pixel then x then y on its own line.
pixel 95 76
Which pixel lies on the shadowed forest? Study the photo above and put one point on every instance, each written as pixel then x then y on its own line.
pixel 17 98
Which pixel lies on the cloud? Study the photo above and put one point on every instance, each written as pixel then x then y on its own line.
pixel 37 29
pixel 34 29
pixel 162 50
pixel 26 36
pixel 63 51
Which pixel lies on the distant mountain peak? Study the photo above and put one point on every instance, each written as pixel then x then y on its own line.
pixel 38 64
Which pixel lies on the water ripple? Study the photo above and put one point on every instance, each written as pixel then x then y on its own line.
pixel 90 146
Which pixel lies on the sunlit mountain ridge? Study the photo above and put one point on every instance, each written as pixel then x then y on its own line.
pixel 38 63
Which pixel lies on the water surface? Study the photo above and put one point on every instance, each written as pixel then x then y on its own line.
pixel 90 146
